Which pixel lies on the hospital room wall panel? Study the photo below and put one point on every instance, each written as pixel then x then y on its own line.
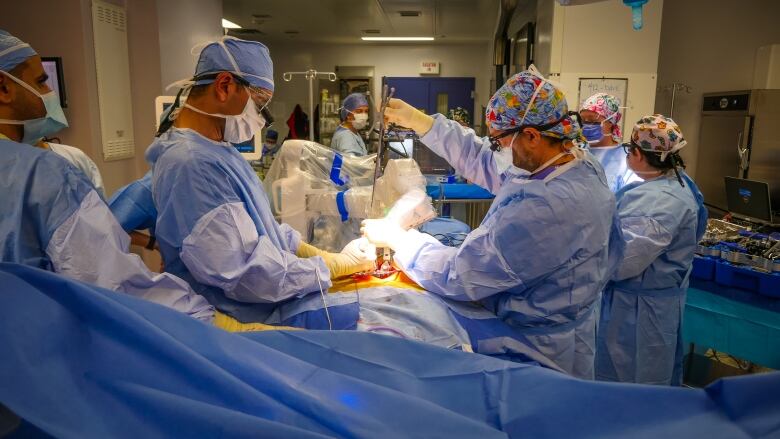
pixel 710 46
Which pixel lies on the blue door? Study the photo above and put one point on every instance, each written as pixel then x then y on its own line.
pixel 435 95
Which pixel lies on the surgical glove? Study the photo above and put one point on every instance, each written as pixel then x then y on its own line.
pixel 383 233
pixel 356 256
pixel 403 114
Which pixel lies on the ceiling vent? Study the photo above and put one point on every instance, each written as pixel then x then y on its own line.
pixel 409 13
pixel 291 32
pixel 371 31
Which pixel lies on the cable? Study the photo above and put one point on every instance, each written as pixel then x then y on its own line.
pixel 386 328
pixel 322 293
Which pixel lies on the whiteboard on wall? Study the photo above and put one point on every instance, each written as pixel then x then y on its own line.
pixel 617 87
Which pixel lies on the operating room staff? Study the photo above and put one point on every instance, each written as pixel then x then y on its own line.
pixel 539 259
pixel 601 118
pixel 662 218
pixel 354 117
pixel 52 216
pixel 215 227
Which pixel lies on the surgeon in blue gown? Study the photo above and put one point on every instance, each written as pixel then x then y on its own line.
pixel 540 257
pixel 662 218
pixel 215 227
pixel 52 217
pixel 354 117
pixel 601 118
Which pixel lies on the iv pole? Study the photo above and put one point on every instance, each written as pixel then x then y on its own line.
pixel 310 75
pixel 675 87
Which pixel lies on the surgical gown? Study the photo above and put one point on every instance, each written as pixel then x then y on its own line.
pixel 538 261
pixel 52 218
pixel 347 142
pixel 639 335
pixel 613 160
pixel 133 205
pixel 216 230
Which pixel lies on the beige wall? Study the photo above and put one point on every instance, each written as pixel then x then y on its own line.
pixel 710 45
pixel 64 28
pixel 184 24
pixel 457 60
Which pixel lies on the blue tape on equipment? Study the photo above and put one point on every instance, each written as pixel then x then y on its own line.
pixel 342 205
pixel 335 170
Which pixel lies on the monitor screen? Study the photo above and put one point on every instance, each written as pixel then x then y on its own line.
pixel 748 199
pixel 247 147
pixel 53 68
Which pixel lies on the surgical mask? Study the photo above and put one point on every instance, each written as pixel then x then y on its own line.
pixel 52 122
pixel 361 120
pixel 592 132
pixel 241 127
pixel 503 158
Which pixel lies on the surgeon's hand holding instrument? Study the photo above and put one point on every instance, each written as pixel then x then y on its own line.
pixel 411 210
pixel 358 256
pixel 400 113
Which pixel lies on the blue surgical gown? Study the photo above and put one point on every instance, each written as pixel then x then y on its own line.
pixel 216 230
pixel 613 160
pixel 52 218
pixel 538 261
pixel 347 142
pixel 133 205
pixel 639 335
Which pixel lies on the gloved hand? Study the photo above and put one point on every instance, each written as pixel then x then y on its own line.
pixel 403 114
pixel 382 232
pixel 359 255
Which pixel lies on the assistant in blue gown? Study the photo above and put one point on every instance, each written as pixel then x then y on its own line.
pixel 662 218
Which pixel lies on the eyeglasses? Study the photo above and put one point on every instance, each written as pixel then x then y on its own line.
pixel 495 145
pixel 628 147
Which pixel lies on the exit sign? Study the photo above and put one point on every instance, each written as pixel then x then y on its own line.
pixel 429 67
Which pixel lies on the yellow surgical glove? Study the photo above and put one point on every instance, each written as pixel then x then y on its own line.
pixel 403 114
pixel 359 255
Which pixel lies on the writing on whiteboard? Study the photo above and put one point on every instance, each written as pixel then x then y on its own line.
pixel 615 86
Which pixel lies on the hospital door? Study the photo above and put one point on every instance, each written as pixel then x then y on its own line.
pixel 434 95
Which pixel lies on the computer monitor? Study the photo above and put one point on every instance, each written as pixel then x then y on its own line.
pixel 250 150
pixel 748 199
pixel 52 65
pixel 161 103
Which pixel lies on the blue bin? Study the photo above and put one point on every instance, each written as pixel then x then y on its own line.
pixel 736 276
pixel 703 268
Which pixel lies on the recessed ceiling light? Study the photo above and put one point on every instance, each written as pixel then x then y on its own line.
pixel 227 24
pixel 397 38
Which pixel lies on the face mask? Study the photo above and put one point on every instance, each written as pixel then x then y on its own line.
pixel 36 129
pixel 503 158
pixel 592 132
pixel 241 127
pixel 361 119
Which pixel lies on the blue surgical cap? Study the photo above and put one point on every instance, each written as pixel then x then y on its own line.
pixel 13 51
pixel 352 102
pixel 271 134
pixel 248 59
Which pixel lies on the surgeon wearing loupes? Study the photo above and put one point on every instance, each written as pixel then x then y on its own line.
pixel 540 257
